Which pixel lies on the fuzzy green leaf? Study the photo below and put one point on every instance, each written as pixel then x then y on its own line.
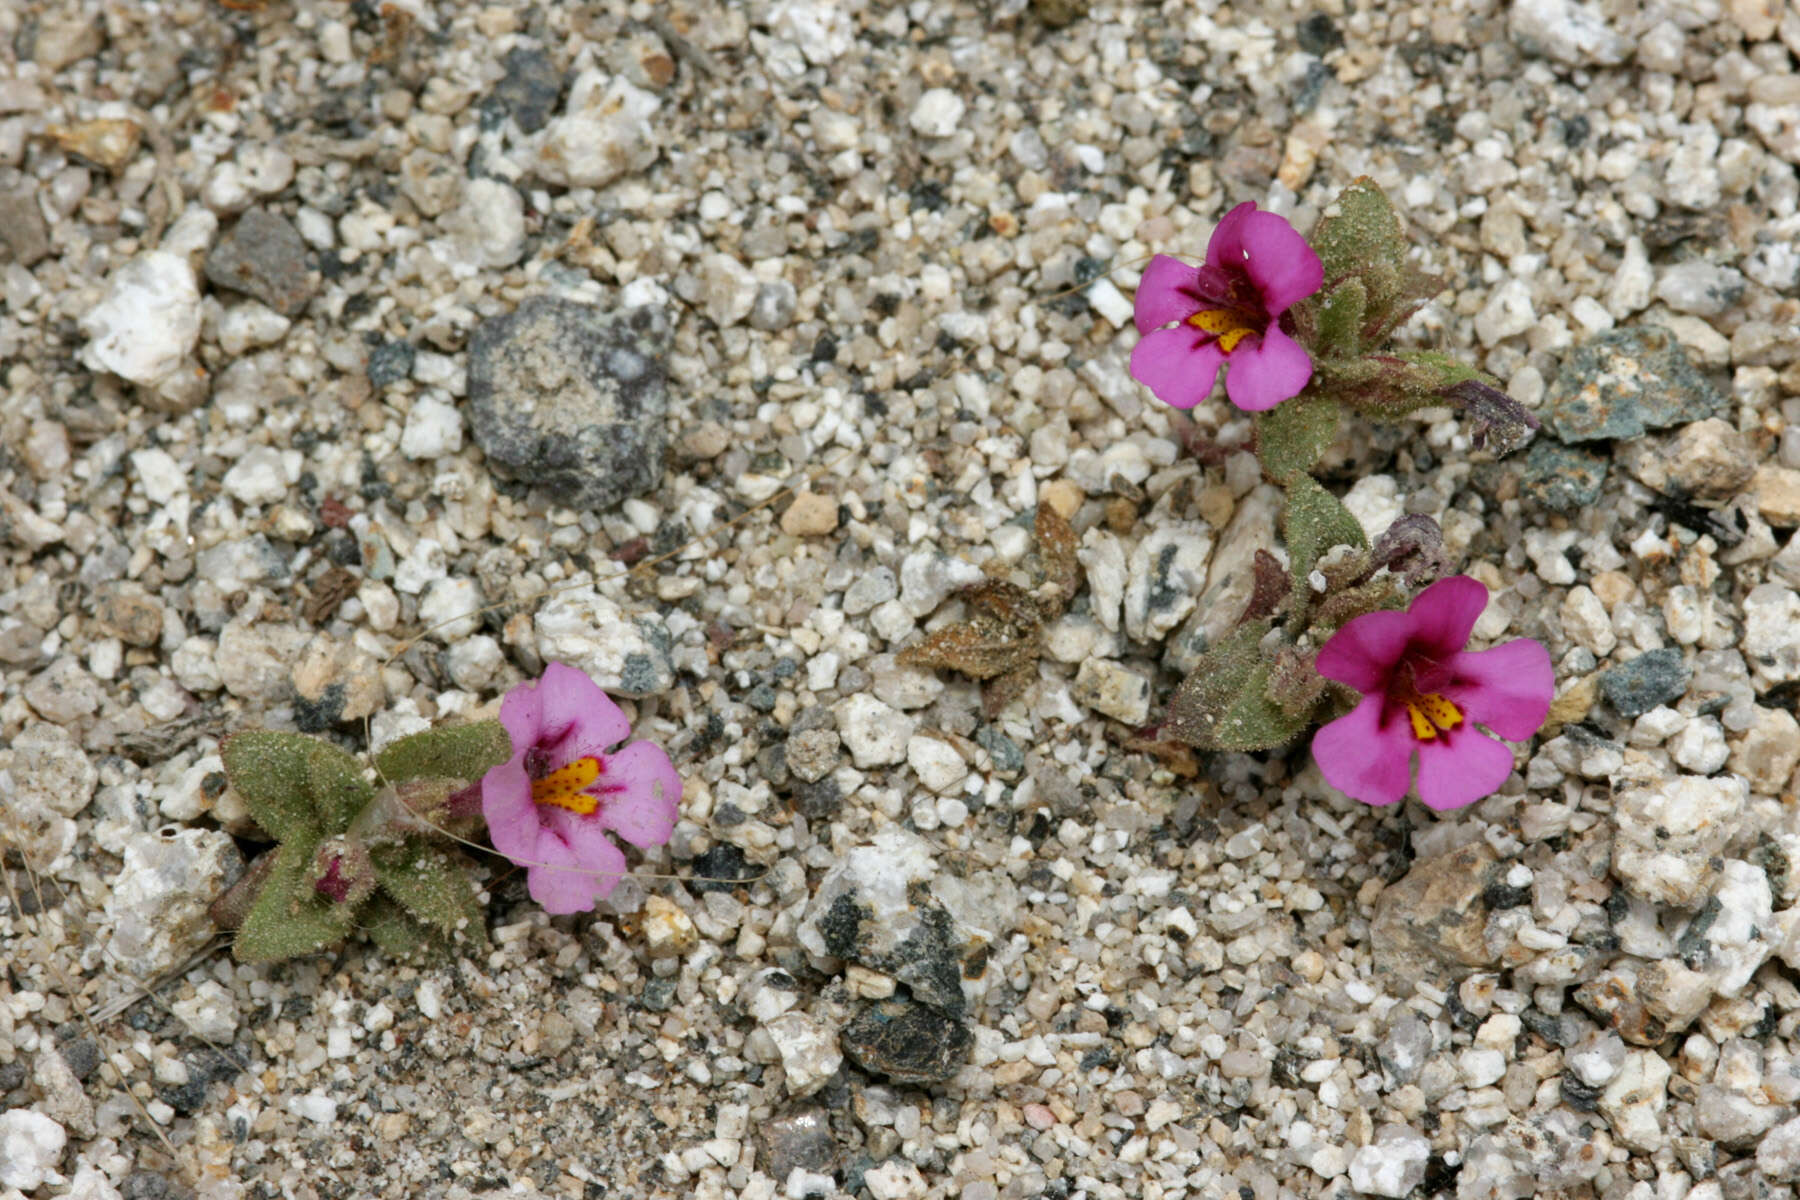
pixel 289 918
pixel 1340 319
pixel 1314 522
pixel 1202 698
pixel 1225 703
pixel 339 790
pixel 397 932
pixel 433 885
pixel 1359 234
pixel 270 771
pixel 453 752
pixel 1293 435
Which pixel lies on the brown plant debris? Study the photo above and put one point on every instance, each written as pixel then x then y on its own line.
pixel 1003 638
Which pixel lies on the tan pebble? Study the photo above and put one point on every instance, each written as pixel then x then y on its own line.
pixel 108 142
pixel 668 931
pixel 810 515
pixel 1777 492
pixel 1576 701
pixel 1613 588
pixel 1216 505
pixel 1063 496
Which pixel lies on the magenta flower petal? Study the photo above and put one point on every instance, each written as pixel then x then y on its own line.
pixel 1363 652
pixel 1228 309
pixel 1461 769
pixel 1263 375
pixel 1284 268
pixel 551 806
pixel 647 799
pixel 1508 688
pixel 588 715
pixel 1424 694
pixel 569 878
pixel 1165 294
pixel 512 819
pixel 1226 248
pixel 1446 613
pixel 1179 365
pixel 1362 759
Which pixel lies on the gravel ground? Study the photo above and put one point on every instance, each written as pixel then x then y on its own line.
pixel 343 347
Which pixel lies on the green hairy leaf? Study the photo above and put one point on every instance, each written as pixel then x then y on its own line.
pixel 339 790
pixel 1357 230
pixel 289 918
pixel 1295 434
pixel 271 772
pixel 433 886
pixel 455 752
pixel 1314 522
pixel 1225 704
pixel 396 931
pixel 1340 319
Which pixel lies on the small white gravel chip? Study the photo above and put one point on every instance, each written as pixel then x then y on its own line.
pixel 31 1145
pixel 875 733
pixel 1110 303
pixel 159 475
pixel 668 930
pixel 147 322
pixel 450 608
pixel 430 998
pixel 937 764
pixel 894 1180
pixel 1482 1067
pixel 1508 312
pixel 258 477
pixel 809 1052
pixel 315 1106
pixel 938 113
pixel 433 429
pixel 1113 690
pixel 210 1013
pixel 604 132
pixel 1391 1165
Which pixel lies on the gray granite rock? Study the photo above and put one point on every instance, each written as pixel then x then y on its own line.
pixel 1626 381
pixel 263 256
pixel 571 399
pixel 1652 678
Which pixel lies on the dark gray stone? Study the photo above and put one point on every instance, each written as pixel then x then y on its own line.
pixel 22 226
pixel 1560 477
pixel 1652 678
pixel 391 362
pixel 906 1042
pixel 264 257
pixel 1003 750
pixel 1625 381
pixel 571 399
pixel 528 91
pixel 799 1141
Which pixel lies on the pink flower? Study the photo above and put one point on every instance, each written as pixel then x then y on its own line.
pixel 1228 310
pixel 552 807
pixel 1423 695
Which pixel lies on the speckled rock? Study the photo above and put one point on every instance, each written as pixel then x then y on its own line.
pixel 627 655
pixel 263 256
pixel 1667 836
pixel 50 769
pixel 1561 477
pixel 1432 923
pixel 1625 381
pixel 907 1042
pixel 157 908
pixel 1654 677
pixel 572 400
